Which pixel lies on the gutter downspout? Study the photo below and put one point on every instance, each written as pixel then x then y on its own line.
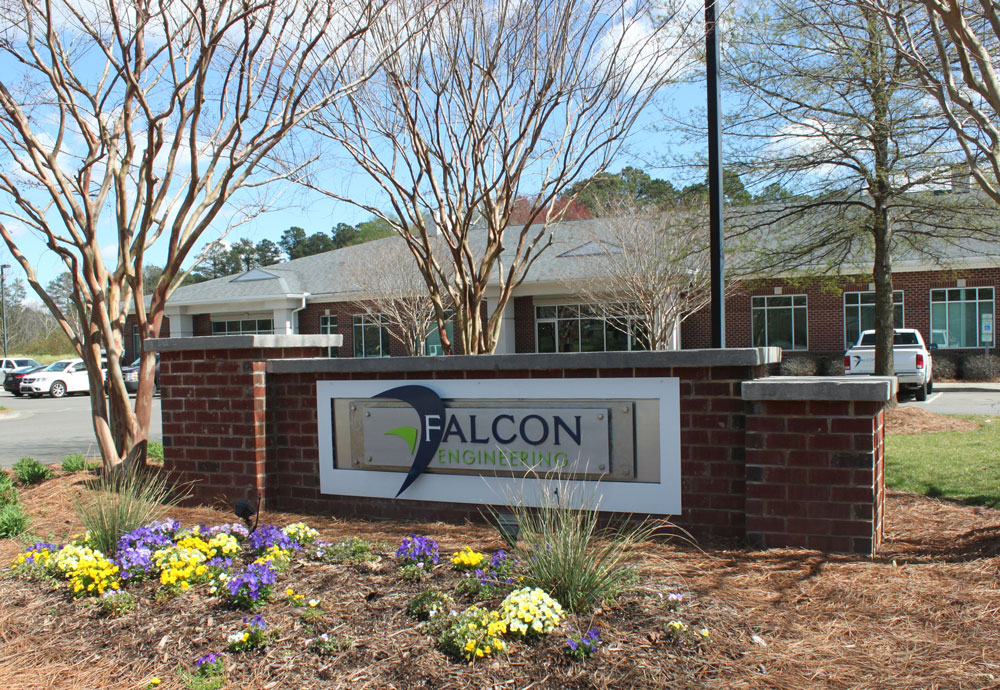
pixel 295 318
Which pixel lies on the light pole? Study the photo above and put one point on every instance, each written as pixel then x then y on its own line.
pixel 3 304
pixel 715 191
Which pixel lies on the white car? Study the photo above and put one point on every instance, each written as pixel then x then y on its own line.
pixel 58 379
pixel 10 364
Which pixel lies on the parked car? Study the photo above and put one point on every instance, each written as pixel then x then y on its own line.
pixel 12 382
pixel 911 360
pixel 10 364
pixel 58 379
pixel 131 375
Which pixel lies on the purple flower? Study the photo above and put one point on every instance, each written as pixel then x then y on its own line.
pixel 209 658
pixel 234 529
pixel 572 644
pixel 252 586
pixel 256 623
pixel 421 550
pixel 266 536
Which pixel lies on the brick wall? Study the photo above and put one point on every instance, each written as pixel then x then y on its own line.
pixel 524 324
pixel 236 423
pixel 826 306
pixel 815 474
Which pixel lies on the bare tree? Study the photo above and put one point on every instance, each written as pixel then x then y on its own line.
pixel 501 102
pixel 147 123
pixel 650 270
pixel 829 110
pixel 954 48
pixel 395 294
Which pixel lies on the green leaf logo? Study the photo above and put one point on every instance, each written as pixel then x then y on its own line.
pixel 407 433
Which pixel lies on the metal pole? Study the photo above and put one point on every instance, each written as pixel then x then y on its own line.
pixel 3 304
pixel 715 191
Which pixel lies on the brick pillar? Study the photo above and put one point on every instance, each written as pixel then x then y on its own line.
pixel 214 408
pixel 815 462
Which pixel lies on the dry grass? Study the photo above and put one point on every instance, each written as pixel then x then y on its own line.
pixel 924 614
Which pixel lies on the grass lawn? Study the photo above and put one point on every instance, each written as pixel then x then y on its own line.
pixel 963 465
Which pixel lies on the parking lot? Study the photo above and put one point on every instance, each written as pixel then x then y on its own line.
pixel 48 429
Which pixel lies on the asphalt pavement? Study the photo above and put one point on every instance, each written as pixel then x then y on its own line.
pixel 49 429
pixel 961 398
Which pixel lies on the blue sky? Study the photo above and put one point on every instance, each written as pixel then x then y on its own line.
pixel 647 148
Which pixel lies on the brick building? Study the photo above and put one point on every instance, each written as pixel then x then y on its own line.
pixel 818 316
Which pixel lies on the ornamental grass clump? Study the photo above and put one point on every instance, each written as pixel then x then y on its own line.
pixel 530 613
pixel 122 500
pixel 564 550
pixel 473 634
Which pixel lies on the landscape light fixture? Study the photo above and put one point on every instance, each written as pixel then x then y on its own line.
pixel 3 304
pixel 245 510
pixel 509 528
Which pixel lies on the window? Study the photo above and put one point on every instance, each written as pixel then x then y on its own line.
pixel 780 321
pixel 958 317
pixel 859 314
pixel 371 336
pixel 136 342
pixel 432 343
pixel 328 326
pixel 584 328
pixel 243 327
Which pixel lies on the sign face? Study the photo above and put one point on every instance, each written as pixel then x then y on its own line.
pixel 986 328
pixel 479 441
pixel 503 439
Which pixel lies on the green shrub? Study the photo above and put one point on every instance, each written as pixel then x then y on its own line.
pixel 430 604
pixel 566 552
pixel 13 521
pixel 30 471
pixel 8 494
pixel 833 366
pixel 354 550
pixel 981 368
pixel 74 462
pixel 116 603
pixel 154 449
pixel 121 500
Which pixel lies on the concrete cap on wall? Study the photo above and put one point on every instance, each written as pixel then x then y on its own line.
pixel 863 388
pixel 736 357
pixel 241 342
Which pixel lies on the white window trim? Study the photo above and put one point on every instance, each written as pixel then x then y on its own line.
pixel 843 311
pixel 765 308
pixel 555 320
pixel 930 316
pixel 376 320
pixel 241 318
pixel 325 329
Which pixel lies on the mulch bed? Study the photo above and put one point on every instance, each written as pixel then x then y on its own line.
pixel 915 420
pixel 923 614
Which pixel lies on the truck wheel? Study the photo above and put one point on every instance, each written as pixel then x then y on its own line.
pixel 58 389
pixel 921 394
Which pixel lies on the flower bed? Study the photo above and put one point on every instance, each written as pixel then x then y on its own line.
pixel 477 607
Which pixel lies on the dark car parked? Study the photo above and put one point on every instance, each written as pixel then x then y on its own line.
pixel 12 383
pixel 131 375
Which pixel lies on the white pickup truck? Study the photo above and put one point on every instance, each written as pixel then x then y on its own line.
pixel 910 358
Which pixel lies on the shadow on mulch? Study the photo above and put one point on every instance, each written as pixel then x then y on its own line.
pixel 921 614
